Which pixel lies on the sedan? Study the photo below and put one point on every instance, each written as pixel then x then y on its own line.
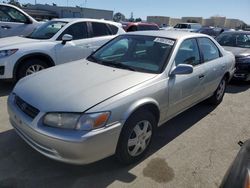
pixel 113 101
pixel 238 42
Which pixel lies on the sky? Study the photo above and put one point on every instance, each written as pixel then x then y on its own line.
pixel 239 9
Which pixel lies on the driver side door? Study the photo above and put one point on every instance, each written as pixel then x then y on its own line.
pixel 186 90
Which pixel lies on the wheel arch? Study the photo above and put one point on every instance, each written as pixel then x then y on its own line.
pixel 148 103
pixel 45 57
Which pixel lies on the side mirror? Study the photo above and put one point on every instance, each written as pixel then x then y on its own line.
pixel 182 69
pixel 66 38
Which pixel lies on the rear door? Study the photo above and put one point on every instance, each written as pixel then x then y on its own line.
pixel 186 90
pixel 100 34
pixel 213 62
pixel 13 22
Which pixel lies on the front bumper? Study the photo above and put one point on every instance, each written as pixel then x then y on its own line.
pixel 64 145
pixel 242 72
pixel 6 68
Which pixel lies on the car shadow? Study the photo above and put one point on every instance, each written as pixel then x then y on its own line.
pixel 5 88
pixel 21 166
pixel 237 87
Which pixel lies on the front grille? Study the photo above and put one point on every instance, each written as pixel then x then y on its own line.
pixel 26 108
pixel 245 67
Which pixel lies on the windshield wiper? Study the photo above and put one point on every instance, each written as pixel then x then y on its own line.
pixel 117 65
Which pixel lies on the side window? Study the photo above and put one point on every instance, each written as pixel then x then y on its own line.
pixel 113 28
pixel 100 29
pixel 9 14
pixel 208 49
pixel 77 30
pixel 188 53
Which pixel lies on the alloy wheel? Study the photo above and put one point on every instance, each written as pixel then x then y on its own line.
pixel 140 138
pixel 33 69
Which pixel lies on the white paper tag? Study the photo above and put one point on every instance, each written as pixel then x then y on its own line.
pixel 164 41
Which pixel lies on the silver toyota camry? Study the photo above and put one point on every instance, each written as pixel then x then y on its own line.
pixel 113 101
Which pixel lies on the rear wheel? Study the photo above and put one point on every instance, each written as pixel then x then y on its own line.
pixel 219 93
pixel 136 137
pixel 30 66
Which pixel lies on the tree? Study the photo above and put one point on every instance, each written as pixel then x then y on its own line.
pixel 138 20
pixel 14 2
pixel 118 17
pixel 192 21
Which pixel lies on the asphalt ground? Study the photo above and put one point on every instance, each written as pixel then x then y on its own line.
pixel 195 149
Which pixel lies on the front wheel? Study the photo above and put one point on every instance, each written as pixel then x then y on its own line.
pixel 219 93
pixel 30 66
pixel 136 137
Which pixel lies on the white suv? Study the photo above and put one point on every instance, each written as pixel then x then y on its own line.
pixel 55 42
pixel 14 21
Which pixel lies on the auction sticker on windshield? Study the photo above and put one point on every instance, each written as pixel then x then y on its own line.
pixel 165 41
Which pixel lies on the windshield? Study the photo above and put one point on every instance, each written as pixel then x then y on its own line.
pixel 137 53
pixel 47 30
pixel 241 40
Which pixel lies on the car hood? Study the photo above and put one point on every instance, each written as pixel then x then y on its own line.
pixel 238 51
pixel 7 42
pixel 77 86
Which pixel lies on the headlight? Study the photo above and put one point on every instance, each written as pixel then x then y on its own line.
pixel 6 53
pixel 76 121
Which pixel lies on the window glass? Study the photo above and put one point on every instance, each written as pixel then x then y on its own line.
pixel 188 53
pixel 114 29
pixel 100 29
pixel 77 30
pixel 208 49
pixel 132 28
pixel 241 40
pixel 12 15
pixel 141 53
pixel 47 30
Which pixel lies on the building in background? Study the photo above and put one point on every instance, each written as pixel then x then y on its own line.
pixel 192 20
pixel 159 20
pixel 215 21
pixel 46 11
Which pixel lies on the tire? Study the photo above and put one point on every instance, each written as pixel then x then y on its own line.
pixel 30 66
pixel 139 141
pixel 219 93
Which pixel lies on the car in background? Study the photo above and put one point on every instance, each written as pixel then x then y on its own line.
pixel 113 101
pixel 15 22
pixel 238 174
pixel 238 42
pixel 191 27
pixel 211 31
pixel 139 26
pixel 55 42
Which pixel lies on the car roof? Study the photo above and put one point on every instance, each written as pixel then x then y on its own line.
pixel 240 32
pixel 168 34
pixel 73 20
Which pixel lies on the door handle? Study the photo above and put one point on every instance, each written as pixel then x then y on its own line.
pixel 5 27
pixel 201 76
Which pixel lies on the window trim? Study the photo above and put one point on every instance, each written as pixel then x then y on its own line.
pixel 203 61
pixel 200 55
pixel 92 31
pixel 59 38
